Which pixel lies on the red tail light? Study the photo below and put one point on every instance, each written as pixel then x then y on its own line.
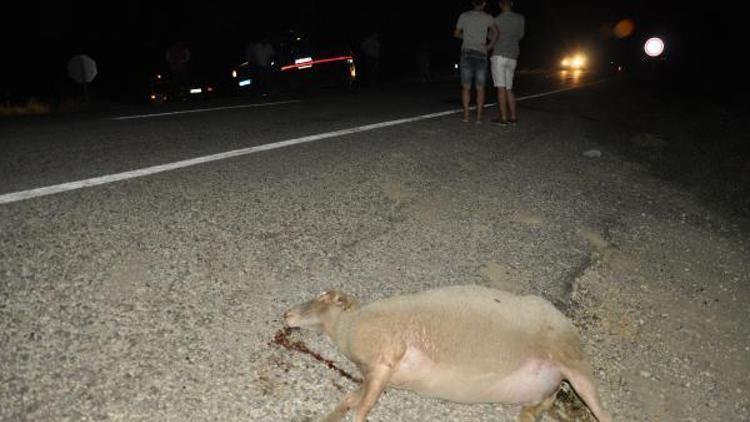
pixel 307 64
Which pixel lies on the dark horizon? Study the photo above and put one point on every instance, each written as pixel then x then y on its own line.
pixel 128 40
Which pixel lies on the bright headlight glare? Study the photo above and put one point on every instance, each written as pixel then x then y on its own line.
pixel 654 46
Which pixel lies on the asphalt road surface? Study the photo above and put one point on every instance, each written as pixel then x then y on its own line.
pixel 148 254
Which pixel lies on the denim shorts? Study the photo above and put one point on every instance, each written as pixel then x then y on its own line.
pixel 473 68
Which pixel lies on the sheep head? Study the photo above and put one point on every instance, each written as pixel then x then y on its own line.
pixel 321 311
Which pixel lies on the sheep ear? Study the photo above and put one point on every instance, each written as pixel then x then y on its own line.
pixel 344 301
pixel 327 296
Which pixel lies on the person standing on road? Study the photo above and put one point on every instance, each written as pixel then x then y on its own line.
pixel 178 57
pixel 423 62
pixel 477 31
pixel 259 55
pixel 371 51
pixel 510 26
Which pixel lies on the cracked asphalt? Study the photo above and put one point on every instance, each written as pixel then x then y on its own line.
pixel 158 298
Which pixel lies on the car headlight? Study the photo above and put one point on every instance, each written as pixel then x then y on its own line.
pixel 579 61
pixel 576 61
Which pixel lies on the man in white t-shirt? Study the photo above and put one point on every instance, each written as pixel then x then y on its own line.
pixel 477 30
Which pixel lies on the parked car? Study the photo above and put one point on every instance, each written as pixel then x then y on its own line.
pixel 299 62
pixel 205 77
pixel 164 89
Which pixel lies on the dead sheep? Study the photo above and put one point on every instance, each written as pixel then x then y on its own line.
pixel 467 344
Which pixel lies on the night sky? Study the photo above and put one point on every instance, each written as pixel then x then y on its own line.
pixel 128 39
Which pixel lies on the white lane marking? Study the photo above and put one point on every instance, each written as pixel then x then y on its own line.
pixel 101 180
pixel 202 110
pixel 556 91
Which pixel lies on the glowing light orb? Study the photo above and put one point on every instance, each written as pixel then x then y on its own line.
pixel 654 46
pixel 624 28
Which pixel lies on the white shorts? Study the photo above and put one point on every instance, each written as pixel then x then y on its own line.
pixel 502 69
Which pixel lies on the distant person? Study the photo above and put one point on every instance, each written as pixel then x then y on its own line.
pixel 477 30
pixel 504 58
pixel 260 53
pixel 371 52
pixel 178 57
pixel 423 62
pixel 259 57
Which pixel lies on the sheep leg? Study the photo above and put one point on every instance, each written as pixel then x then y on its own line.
pixel 374 384
pixel 534 413
pixel 579 376
pixel 349 401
